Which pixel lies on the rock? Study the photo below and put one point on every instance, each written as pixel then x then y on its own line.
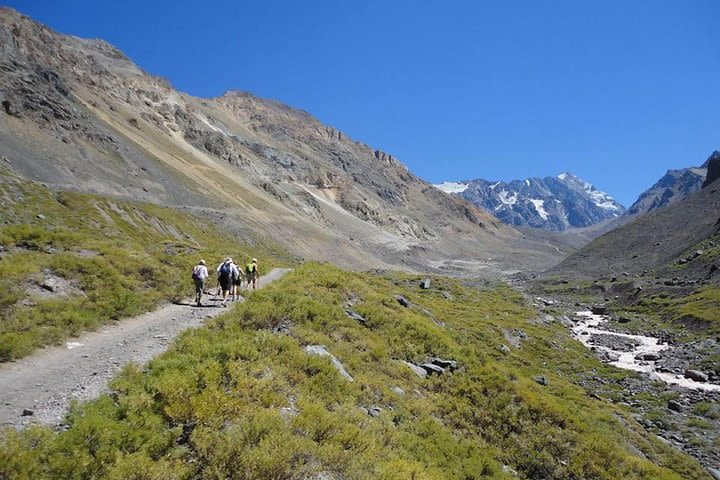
pixel 650 357
pixel 695 375
pixel 425 284
pixel 288 413
pixel 714 472
pixel 674 406
pixel 403 301
pixel 623 319
pixel 613 279
pixel 451 365
pixel 447 295
pixel 504 349
pixel 565 321
pixel 49 284
pixel 27 413
pixel 40 216
pixel 420 372
pixel 321 351
pixel 431 368
pixel 398 391
pixel 356 316
pixel 598 309
pixel 542 380
pixel 374 411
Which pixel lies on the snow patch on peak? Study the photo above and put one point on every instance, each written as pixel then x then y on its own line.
pixel 539 207
pixel 507 200
pixel 527 182
pixel 563 176
pixel 452 187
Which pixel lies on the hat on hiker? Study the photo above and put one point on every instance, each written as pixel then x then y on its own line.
pixel 254 260
pixel 202 262
pixel 228 260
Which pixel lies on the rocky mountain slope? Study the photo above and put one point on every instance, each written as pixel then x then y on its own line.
pixel 683 235
pixel 78 114
pixel 673 186
pixel 551 203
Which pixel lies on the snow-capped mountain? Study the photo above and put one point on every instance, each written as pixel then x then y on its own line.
pixel 552 203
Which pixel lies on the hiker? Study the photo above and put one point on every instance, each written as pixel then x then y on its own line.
pixel 199 274
pixel 252 275
pixel 237 283
pixel 227 274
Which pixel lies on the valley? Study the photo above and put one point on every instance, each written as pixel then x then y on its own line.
pixel 529 329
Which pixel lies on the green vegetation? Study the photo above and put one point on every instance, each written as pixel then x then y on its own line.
pixel 240 398
pixel 116 259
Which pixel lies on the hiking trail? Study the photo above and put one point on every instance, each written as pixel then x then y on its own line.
pixel 46 381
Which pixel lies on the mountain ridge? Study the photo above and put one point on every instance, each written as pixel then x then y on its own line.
pixel 78 114
pixel 551 203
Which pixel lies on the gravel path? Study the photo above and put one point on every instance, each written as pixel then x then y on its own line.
pixel 45 382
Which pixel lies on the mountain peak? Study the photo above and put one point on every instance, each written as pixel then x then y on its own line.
pixel 552 203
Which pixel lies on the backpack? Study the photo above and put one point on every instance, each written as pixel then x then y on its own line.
pixel 196 272
pixel 250 269
pixel 225 271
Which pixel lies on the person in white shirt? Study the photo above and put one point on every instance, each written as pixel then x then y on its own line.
pixel 199 275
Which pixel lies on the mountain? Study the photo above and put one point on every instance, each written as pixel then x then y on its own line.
pixel 683 237
pixel 78 114
pixel 673 186
pixel 551 203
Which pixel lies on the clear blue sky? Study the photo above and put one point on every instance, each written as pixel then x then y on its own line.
pixel 614 91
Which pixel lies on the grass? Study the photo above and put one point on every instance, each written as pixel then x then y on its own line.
pixel 211 406
pixel 120 259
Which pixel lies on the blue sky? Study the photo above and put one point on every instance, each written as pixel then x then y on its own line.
pixel 614 91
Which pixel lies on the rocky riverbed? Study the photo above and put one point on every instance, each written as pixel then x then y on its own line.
pixel 678 404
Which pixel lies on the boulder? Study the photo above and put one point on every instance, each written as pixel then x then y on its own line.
pixel 398 391
pixel 49 284
pixel 504 349
pixel 447 295
pixel 598 309
pixel 420 372
pixel 374 411
pixel 321 351
pixel 542 380
pixel 674 406
pixel 27 413
pixel 650 357
pixel 356 316
pixel 403 301
pixel 623 319
pixel 451 365
pixel 714 473
pixel 425 284
pixel 431 369
pixel 696 375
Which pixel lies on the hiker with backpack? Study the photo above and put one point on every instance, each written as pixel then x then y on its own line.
pixel 252 274
pixel 228 273
pixel 199 275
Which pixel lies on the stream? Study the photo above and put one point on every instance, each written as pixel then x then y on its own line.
pixel 624 357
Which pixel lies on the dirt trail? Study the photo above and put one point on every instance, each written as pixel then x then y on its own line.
pixel 48 380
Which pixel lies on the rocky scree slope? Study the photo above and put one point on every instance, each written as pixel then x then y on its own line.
pixel 551 203
pixel 673 186
pixel 79 114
